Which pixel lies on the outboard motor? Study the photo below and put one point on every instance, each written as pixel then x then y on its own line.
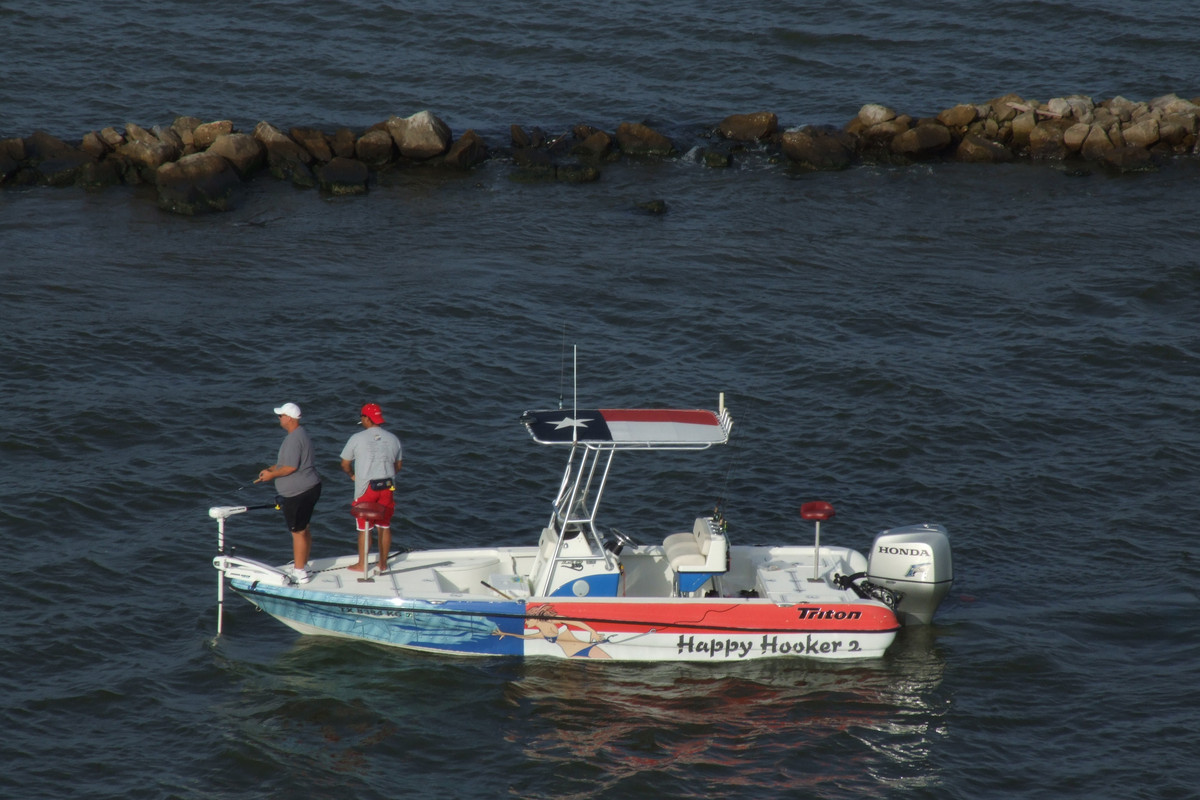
pixel 914 563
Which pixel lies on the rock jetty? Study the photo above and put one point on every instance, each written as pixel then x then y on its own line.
pixel 196 166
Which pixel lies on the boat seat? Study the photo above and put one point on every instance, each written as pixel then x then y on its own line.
pixel 703 549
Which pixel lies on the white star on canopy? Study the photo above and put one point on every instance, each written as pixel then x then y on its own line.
pixel 569 422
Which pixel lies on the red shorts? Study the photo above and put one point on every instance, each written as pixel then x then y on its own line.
pixel 385 498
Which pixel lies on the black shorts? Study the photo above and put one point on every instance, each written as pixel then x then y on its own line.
pixel 298 510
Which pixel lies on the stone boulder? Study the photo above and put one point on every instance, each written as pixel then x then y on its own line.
pixel 1022 129
pixel 100 174
pixel 131 173
pixel 342 143
pixel 204 134
pixel 560 146
pixel 12 153
pixel 286 160
pixel 169 137
pixel 636 139
pixel 1096 145
pixel 1075 136
pixel 148 156
pixel 531 157
pixel 1078 107
pixel 873 114
pixel 196 183
pixel 94 146
pixel 958 117
pixel 1128 159
pixel 715 159
pixel 421 136
pixel 1174 129
pixel 986 127
pixel 185 128
pixel 875 140
pixel 243 152
pixel 1173 104
pixel 136 133
pixel 40 145
pixel 343 176
pixel 1115 135
pixel 63 170
pixel 978 150
pixel 375 148
pixel 146 151
pixel 534 172
pixel 1005 108
pixel 468 151
pixel 271 137
pixel 1046 140
pixel 112 137
pixel 595 144
pixel 818 148
pixel 927 140
pixel 1122 108
pixel 655 207
pixel 749 127
pixel 522 139
pixel 1105 118
pixel 55 162
pixel 1142 134
pixel 577 173
pixel 314 141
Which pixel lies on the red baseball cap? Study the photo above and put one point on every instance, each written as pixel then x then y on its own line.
pixel 373 412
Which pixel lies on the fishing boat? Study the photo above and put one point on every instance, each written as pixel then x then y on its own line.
pixel 580 590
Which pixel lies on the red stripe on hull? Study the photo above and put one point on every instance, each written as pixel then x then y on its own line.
pixel 730 617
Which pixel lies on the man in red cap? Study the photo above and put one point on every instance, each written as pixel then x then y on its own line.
pixel 372 458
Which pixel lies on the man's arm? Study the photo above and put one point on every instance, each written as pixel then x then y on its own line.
pixel 274 471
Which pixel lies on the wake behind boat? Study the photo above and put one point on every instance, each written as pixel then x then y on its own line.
pixel 583 592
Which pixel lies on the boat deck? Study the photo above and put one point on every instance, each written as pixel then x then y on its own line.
pixel 425 574
pixel 781 575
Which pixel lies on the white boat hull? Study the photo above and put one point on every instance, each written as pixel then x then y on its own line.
pixel 414 606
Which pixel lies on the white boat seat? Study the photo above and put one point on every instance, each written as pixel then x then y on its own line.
pixel 703 549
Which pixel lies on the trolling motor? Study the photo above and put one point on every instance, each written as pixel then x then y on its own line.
pixel 230 566
pixel 220 514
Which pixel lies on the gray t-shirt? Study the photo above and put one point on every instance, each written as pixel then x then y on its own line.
pixel 296 451
pixel 374 452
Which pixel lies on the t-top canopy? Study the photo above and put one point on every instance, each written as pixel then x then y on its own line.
pixel 630 427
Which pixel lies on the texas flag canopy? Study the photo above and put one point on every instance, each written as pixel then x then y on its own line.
pixel 634 427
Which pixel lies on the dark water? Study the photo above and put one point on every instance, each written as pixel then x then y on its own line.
pixel 1011 351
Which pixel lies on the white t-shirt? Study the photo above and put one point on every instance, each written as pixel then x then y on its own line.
pixel 374 452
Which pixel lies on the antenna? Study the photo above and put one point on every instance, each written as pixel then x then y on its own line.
pixel 574 391
pixel 562 366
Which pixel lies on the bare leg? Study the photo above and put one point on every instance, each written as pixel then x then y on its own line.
pixel 301 546
pixel 364 546
pixel 385 544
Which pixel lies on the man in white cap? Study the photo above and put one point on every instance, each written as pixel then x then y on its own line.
pixel 371 458
pixel 297 484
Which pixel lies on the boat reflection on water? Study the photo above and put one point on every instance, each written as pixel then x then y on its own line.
pixel 731 729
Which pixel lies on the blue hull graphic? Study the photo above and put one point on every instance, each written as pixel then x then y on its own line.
pixel 467 627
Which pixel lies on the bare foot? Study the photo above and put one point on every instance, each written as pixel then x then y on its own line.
pixel 383 567
pixel 356 568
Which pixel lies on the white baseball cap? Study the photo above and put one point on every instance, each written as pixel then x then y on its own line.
pixel 290 409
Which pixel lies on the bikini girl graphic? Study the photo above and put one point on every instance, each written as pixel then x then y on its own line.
pixel 549 626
